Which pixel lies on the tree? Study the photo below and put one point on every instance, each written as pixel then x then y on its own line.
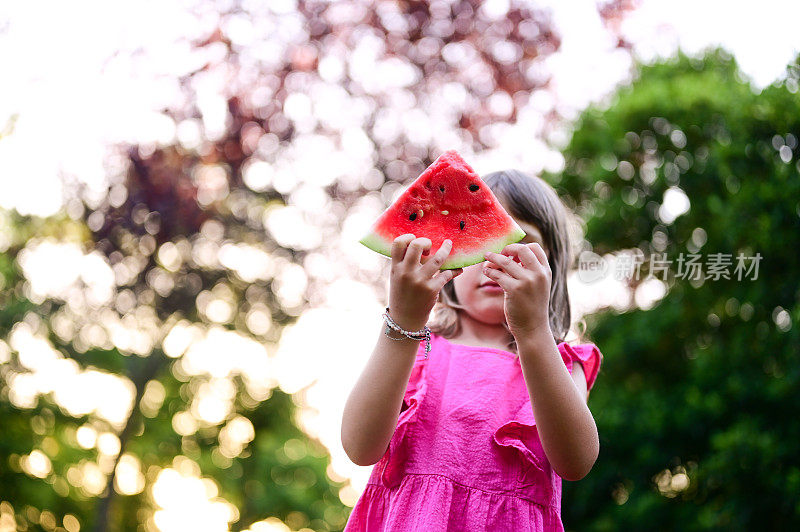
pixel 180 253
pixel 695 402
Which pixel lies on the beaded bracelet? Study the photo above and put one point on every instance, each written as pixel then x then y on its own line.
pixel 422 334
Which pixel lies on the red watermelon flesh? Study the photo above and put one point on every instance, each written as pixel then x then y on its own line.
pixel 448 200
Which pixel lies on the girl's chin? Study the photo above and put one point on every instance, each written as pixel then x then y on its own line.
pixel 493 316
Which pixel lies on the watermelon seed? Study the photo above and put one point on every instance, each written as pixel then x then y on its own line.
pixel 421 213
pixel 441 188
pixel 445 212
pixel 413 216
pixel 474 187
pixel 461 224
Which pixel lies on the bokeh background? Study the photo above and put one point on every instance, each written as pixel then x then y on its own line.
pixel 184 304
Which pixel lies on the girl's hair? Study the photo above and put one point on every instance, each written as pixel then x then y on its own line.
pixel 533 201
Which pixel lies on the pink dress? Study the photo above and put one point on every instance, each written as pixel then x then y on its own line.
pixel 466 454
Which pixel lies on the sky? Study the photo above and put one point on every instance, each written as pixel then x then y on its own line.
pixel 73 83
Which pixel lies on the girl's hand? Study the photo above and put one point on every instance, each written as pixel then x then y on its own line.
pixel 415 281
pixel 522 271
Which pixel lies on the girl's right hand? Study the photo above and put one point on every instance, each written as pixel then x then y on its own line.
pixel 415 282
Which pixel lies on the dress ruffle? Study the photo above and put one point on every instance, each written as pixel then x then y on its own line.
pixel 520 433
pixel 587 354
pixel 395 456
pixel 534 470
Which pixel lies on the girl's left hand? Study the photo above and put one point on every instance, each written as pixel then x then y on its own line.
pixel 524 274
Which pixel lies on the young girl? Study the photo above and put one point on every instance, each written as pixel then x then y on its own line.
pixel 477 433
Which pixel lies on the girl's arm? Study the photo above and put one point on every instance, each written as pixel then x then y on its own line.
pixel 565 424
pixel 373 407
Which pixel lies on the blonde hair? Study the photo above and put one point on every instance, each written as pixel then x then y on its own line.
pixel 533 201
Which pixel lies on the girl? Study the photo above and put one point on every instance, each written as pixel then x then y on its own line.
pixel 478 433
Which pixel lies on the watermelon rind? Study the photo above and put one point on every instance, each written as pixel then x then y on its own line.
pixel 383 246
pixel 376 243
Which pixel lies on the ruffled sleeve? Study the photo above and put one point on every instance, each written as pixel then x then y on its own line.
pixel 394 458
pixel 587 354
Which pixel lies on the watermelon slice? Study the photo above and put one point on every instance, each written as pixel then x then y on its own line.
pixel 448 200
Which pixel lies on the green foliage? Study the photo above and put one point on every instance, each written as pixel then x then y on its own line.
pixel 706 382
pixel 281 473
